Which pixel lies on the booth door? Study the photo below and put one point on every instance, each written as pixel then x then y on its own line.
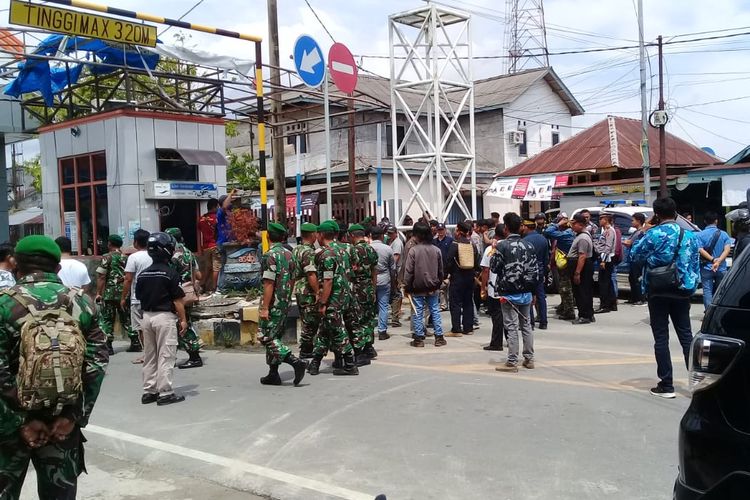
pixel 183 214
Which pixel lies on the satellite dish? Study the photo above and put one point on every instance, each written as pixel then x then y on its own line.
pixel 709 150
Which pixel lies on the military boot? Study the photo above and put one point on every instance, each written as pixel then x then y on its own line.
pixel 314 367
pixel 338 361
pixel 110 350
pixel 135 345
pixel 298 365
pixel 194 361
pixel 349 368
pixel 370 351
pixel 306 351
pixel 273 376
pixel 360 358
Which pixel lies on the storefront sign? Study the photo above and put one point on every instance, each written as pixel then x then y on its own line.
pixel 73 22
pixel 71 229
pixel 502 187
pixel 540 189
pixel 623 189
pixel 181 190
pixel 520 190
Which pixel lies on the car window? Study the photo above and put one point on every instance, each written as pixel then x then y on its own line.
pixel 623 223
pixel 733 290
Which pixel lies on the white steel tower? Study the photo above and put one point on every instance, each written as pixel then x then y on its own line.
pixel 525 35
pixel 432 98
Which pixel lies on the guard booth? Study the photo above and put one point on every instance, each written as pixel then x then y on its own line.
pixel 118 171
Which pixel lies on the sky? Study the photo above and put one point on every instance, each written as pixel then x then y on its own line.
pixel 697 74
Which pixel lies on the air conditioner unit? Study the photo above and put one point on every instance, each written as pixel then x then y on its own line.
pixel 516 136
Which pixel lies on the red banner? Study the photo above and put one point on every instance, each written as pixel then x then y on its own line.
pixel 521 186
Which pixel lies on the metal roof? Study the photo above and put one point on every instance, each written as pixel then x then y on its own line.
pixel 612 143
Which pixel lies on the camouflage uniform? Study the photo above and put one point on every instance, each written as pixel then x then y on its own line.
pixel 304 258
pixel 567 307
pixel 332 332
pixel 277 265
pixel 364 294
pixel 112 268
pixel 348 259
pixel 185 263
pixel 57 464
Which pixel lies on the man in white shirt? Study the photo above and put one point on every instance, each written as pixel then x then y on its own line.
pixel 490 295
pixel 72 273
pixel 137 263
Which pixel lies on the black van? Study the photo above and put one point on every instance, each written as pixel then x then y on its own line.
pixel 714 437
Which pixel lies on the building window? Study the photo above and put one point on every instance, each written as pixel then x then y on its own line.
pixel 522 148
pixel 292 139
pixel 85 215
pixel 400 134
pixel 555 137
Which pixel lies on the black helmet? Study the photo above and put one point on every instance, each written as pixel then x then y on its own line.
pixel 740 218
pixel 161 246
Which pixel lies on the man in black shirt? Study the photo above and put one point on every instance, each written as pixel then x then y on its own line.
pixel 158 290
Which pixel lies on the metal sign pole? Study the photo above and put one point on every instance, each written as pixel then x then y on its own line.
pixel 299 188
pixel 327 118
pixel 380 171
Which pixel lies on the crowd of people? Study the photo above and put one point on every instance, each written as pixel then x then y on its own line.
pixel 350 285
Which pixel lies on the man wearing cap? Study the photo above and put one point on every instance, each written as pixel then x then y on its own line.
pixel 53 443
pixel 331 302
pixel 540 221
pixel 306 288
pixel 184 262
pixel 348 258
pixel 278 268
pixel 109 284
pixel 365 280
pixel 541 250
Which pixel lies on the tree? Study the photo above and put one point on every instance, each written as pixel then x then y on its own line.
pixel 242 168
pixel 33 168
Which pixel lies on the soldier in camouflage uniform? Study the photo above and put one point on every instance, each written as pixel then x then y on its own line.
pixel 184 262
pixel 306 288
pixel 278 268
pixel 54 444
pixel 333 298
pixel 111 276
pixel 365 279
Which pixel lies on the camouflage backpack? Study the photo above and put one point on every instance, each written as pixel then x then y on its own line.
pixel 51 357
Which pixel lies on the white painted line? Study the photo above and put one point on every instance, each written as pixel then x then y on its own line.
pixel 342 68
pixel 231 463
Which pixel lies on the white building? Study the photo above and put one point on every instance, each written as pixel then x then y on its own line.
pixel 516 117
pixel 126 169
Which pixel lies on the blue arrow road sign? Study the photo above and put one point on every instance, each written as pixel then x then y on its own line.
pixel 308 59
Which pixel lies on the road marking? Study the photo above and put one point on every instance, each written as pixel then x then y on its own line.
pixel 231 463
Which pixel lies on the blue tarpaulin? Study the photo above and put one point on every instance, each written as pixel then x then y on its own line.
pixel 36 75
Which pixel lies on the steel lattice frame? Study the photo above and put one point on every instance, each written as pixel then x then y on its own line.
pixel 525 35
pixel 431 87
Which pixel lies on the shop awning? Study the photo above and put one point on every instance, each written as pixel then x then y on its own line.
pixel 196 156
pixel 27 216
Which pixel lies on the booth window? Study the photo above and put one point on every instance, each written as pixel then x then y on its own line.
pixel 85 215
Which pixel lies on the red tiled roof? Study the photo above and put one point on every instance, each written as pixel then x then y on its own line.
pixel 591 150
pixel 723 166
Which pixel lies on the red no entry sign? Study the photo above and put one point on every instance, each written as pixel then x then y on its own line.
pixel 342 68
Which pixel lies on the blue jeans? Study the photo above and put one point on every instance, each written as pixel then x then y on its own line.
pixel 433 303
pixel 661 310
pixel 383 294
pixel 710 281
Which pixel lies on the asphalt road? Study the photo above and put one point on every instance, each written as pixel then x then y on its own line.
pixel 417 424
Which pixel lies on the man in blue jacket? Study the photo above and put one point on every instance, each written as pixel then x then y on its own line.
pixel 563 235
pixel 658 248
pixel 541 249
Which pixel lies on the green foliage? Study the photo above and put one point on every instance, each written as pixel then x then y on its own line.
pixel 33 168
pixel 242 171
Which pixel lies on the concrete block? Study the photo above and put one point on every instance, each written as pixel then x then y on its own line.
pixel 205 330
pixel 226 333
pixel 250 313
pixel 248 333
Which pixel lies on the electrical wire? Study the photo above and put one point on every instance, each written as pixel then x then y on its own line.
pixel 320 21
pixel 191 9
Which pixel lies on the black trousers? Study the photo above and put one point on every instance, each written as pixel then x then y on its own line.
pixel 584 291
pixel 498 330
pixel 607 297
pixel 462 304
pixel 634 277
pixel 661 310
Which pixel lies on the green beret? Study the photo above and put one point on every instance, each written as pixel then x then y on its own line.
pixel 308 227
pixel 173 231
pixel 115 239
pixel 333 224
pixel 355 227
pixel 39 244
pixel 366 221
pixel 328 227
pixel 275 227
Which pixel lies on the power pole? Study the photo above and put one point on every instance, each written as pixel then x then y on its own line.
pixel 14 174
pixel 279 170
pixel 352 177
pixel 645 151
pixel 663 193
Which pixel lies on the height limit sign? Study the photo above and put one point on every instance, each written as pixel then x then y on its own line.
pixel 342 68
